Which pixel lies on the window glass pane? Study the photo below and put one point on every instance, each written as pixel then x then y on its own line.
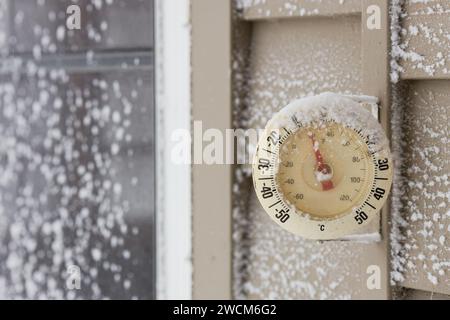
pixel 40 25
pixel 77 160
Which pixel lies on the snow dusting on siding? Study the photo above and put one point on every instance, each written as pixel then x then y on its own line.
pixel 293 8
pixel 272 264
pixel 420 211
pixel 420 38
pixel 269 262
pixel 420 131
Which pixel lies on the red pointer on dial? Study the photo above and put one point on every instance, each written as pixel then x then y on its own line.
pixel 322 168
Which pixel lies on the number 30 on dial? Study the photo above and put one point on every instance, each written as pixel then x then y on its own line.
pixel 323 168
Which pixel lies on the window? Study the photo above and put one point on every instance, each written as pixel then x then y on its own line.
pixel 77 155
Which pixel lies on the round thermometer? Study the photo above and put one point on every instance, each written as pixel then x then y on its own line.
pixel 323 167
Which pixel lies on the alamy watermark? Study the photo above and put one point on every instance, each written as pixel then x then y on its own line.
pixel 73 279
pixel 213 146
pixel 73 18
pixel 374 277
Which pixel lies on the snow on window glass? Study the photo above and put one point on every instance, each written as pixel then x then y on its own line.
pixel 76 151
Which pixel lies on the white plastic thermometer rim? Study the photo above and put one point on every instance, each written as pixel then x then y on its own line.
pixel 299 114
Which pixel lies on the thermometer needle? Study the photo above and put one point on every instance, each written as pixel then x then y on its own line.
pixel 323 173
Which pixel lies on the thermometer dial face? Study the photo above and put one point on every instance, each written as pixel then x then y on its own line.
pixel 321 175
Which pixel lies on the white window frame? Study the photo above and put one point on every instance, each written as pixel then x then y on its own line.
pixel 173 111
